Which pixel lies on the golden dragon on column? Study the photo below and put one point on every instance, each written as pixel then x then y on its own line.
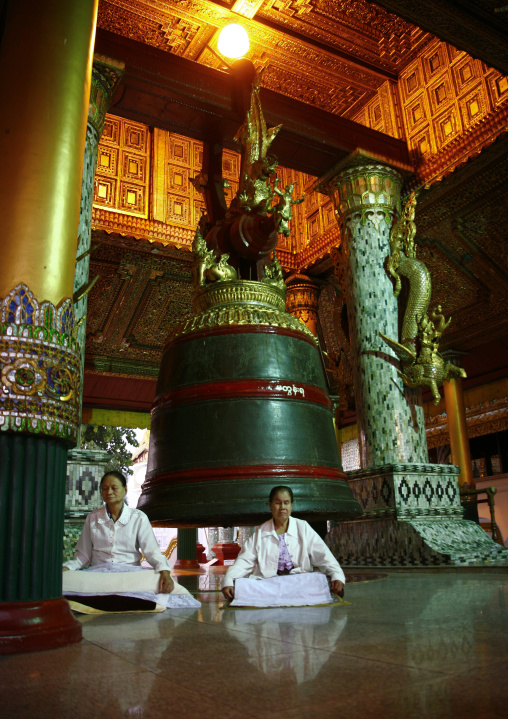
pixel 418 349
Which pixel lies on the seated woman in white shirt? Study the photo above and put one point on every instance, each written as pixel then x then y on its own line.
pixel 283 546
pixel 113 540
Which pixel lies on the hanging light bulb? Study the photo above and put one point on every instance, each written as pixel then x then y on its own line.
pixel 233 41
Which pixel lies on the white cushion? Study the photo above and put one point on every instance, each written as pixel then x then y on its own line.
pixel 90 582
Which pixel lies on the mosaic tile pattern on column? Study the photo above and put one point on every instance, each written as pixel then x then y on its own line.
pixel 85 468
pixel 390 416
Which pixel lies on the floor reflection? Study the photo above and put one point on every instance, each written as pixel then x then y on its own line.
pixel 303 633
pixel 424 645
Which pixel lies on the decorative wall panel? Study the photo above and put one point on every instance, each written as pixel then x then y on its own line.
pixel 177 161
pixel 121 181
pixel 484 418
pixel 137 299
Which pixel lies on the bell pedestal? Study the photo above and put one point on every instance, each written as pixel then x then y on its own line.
pixel 188 564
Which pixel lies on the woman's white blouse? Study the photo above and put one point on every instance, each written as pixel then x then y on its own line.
pixel 260 554
pixel 121 542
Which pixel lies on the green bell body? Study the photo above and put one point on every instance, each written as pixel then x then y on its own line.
pixel 241 406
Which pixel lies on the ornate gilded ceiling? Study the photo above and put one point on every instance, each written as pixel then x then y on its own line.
pixel 479 27
pixel 328 53
pixel 351 59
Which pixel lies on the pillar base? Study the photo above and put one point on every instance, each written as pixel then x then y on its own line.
pixel 37 626
pixel 412 517
pixel 415 543
pixel 189 564
pixel 226 552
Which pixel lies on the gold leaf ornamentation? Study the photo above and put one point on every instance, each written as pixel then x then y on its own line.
pixel 39 366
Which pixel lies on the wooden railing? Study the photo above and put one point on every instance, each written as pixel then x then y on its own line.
pixel 490 492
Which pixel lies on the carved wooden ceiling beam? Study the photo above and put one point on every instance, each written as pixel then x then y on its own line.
pixel 175 94
pixel 372 68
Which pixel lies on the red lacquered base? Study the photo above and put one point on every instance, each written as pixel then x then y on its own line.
pixel 201 554
pixel 37 626
pixel 226 551
pixel 189 564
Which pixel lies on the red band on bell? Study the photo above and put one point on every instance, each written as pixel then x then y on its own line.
pixel 244 389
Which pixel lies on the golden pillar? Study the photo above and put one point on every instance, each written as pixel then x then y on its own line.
pixel 46 62
pixel 302 300
pixel 45 70
pixel 457 427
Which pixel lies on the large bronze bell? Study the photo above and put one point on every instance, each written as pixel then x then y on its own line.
pixel 241 406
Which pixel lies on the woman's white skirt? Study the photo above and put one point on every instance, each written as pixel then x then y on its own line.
pixel 125 580
pixel 290 590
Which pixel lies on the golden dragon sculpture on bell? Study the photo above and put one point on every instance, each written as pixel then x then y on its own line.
pixel 418 349
pixel 260 211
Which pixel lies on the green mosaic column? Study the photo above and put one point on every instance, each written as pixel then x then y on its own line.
pixel 244 533
pixel 391 425
pixel 213 538
pixel 411 509
pixel 226 549
pixel 45 75
pixel 106 74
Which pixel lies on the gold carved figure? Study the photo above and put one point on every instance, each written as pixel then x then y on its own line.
pixel 205 266
pixel 256 166
pixel 273 274
pixel 256 194
pixel 247 232
pixel 282 210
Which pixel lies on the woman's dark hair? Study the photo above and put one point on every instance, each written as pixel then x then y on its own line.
pixel 281 488
pixel 117 475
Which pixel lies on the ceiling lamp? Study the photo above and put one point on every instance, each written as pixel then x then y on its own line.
pixel 233 41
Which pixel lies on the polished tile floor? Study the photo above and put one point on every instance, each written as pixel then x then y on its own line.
pixel 408 645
